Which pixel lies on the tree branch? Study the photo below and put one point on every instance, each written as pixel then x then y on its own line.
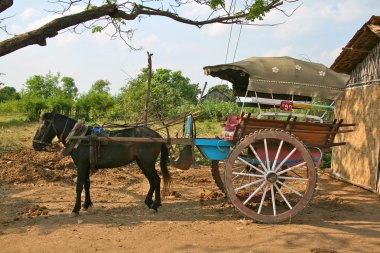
pixel 113 14
pixel 5 4
pixel 52 28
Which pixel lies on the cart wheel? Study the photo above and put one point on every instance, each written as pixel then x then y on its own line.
pixel 217 173
pixel 270 176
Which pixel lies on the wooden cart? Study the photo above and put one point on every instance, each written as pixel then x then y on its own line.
pixel 270 173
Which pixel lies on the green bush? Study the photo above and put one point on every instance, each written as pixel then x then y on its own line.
pixel 217 110
pixel 326 161
pixel 12 106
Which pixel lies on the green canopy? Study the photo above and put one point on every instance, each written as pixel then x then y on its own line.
pixel 281 75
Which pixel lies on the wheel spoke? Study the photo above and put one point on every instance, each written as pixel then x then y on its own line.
pixel 237 175
pixel 249 184
pixel 273 200
pixel 254 193
pixel 233 179
pixel 291 168
pixel 277 154
pixel 294 178
pixel 290 188
pixel 266 153
pixel 250 165
pixel 247 174
pixel 262 198
pixel 285 159
pixel 258 157
pixel 283 197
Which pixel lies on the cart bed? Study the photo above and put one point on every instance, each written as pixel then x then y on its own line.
pixel 312 134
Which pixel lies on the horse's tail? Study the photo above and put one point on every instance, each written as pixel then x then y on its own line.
pixel 164 169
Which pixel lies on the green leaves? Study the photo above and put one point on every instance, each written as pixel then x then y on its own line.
pixel 8 93
pixel 169 91
pixel 95 104
pixel 214 4
pixel 97 29
pixel 258 10
pixel 48 92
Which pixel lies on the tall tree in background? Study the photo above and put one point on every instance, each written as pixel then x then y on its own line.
pixel 8 93
pixel 170 90
pixel 95 104
pixel 69 89
pixel 115 15
pixel 48 92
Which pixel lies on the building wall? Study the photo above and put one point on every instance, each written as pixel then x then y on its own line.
pixel 357 161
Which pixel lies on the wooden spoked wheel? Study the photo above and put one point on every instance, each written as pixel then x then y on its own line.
pixel 270 176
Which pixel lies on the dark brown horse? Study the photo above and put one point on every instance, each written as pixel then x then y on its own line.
pixel 112 155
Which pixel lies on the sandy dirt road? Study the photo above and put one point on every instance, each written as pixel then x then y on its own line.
pixel 37 195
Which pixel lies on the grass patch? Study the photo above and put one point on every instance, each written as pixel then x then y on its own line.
pixel 18 137
pixel 15 132
pixel 12 118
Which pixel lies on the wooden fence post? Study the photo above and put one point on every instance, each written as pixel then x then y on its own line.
pixel 146 110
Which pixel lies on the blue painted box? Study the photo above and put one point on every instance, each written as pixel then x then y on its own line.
pixel 213 149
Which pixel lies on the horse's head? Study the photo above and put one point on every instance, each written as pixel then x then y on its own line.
pixel 45 132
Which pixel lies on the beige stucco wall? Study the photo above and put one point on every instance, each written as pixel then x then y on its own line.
pixel 357 161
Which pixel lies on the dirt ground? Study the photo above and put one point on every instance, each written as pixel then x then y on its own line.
pixel 37 194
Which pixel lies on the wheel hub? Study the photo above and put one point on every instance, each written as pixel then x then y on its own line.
pixel 271 177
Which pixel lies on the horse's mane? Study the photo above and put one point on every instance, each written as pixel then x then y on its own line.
pixel 50 115
pixel 46 115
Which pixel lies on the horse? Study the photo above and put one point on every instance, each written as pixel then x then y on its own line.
pixel 112 155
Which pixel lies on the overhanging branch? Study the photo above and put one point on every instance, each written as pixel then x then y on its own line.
pixel 5 4
pixel 112 12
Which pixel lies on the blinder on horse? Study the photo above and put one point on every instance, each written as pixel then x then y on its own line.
pixel 39 141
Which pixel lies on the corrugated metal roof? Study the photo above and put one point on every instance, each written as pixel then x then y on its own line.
pixel 358 47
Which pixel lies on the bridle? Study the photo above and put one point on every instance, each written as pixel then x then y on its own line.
pixel 46 131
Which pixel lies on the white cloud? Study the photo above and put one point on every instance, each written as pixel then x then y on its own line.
pixel 215 29
pixel 76 9
pixel 279 52
pixel 29 13
pixel 350 10
pixel 194 10
pixel 42 21
pixel 65 39
pixel 314 16
pixel 148 40
pixel 15 29
pixel 46 19
pixel 328 57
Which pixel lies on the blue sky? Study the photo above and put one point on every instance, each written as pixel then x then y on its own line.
pixel 316 31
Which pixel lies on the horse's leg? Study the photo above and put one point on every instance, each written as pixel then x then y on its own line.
pixel 154 184
pixel 80 181
pixel 148 199
pixel 87 199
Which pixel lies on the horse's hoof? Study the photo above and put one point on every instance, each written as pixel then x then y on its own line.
pixel 152 210
pixel 88 209
pixel 74 214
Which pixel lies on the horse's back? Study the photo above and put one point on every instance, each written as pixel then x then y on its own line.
pixel 116 154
